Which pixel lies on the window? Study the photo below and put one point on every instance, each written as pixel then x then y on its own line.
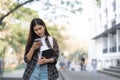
pixel 113 23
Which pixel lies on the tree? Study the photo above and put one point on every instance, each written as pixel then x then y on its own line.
pixel 14 32
pixel 12 10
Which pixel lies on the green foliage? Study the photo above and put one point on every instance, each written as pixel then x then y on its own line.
pixel 54 31
pixel 12 6
pixel 2 50
pixel 21 37
pixel 18 37
pixel 78 54
pixel 98 3
pixel 25 14
pixel 3 27
pixel 20 66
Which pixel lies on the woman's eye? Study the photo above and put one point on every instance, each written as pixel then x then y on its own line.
pixel 40 28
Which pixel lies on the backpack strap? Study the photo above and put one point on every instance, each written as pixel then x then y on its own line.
pixel 50 38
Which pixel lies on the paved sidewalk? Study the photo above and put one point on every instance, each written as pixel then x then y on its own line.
pixel 14 74
pixel 17 75
pixel 86 75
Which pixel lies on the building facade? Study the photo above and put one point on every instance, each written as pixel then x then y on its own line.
pixel 106 40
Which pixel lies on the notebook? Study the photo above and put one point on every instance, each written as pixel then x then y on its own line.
pixel 48 53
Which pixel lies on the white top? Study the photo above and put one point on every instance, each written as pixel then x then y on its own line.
pixel 43 47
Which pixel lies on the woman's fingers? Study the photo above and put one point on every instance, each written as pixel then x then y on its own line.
pixel 42 60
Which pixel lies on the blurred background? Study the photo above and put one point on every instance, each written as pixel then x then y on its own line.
pixel 83 28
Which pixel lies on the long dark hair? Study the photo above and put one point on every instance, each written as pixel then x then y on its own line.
pixel 32 35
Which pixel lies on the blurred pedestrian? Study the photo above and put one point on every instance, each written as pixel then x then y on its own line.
pixel 82 63
pixel 62 61
pixel 69 63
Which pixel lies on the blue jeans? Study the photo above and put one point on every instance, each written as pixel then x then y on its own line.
pixel 40 73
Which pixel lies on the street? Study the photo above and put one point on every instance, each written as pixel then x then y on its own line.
pixel 86 75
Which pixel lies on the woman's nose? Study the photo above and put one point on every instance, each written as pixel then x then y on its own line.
pixel 39 31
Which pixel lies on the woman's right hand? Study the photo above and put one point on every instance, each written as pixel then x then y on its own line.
pixel 37 44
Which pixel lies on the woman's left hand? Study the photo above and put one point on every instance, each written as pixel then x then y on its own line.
pixel 43 60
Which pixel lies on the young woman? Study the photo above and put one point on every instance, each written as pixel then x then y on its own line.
pixel 41 53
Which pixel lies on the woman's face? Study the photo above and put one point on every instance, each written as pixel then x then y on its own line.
pixel 39 30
